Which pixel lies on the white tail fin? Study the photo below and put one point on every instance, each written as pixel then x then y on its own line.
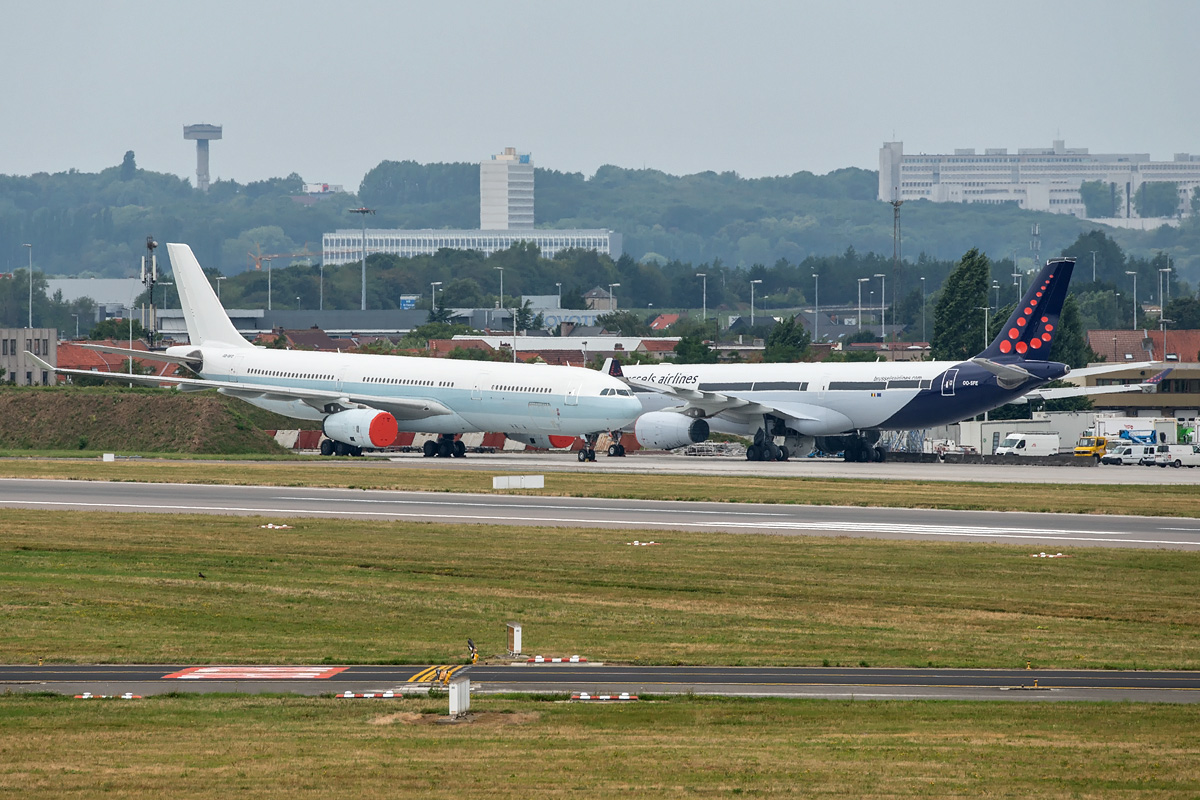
pixel 207 322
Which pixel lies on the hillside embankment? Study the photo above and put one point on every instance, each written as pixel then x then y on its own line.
pixel 118 419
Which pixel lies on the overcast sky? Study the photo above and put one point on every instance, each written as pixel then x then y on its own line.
pixel 329 90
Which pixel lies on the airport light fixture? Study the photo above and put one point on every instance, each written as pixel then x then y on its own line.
pixel 1135 299
pixel 297 303
pixel 861 281
pixel 704 276
pixel 612 301
pixel 268 283
pixel 30 246
pixel 996 286
pixel 362 211
pixel 1164 279
pixel 985 310
pixel 816 304
pixel 433 295
pixel 218 279
pixel 559 287
pixel 1162 325
pixel 752 285
pixel 923 339
pixel 1093 252
pixel 501 303
pixel 882 305
pixel 76 316
pixel 1018 280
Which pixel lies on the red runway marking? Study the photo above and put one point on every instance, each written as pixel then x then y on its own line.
pixel 255 673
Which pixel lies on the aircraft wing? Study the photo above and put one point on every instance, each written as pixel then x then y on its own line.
pixel 144 355
pixel 1009 376
pixel 399 407
pixel 732 406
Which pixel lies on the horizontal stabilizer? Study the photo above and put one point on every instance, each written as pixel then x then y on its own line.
pixel 1009 376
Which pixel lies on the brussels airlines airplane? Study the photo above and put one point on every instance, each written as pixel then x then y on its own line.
pixel 363 400
pixel 845 406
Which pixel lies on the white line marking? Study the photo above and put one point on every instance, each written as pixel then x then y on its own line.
pixel 823 527
pixel 506 506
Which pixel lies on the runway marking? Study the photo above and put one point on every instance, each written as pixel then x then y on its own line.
pixel 431 673
pixel 272 673
pixel 977 532
pixel 513 505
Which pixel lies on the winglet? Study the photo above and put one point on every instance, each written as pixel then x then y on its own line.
pixel 40 362
pixel 1152 383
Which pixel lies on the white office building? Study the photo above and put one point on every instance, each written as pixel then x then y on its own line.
pixel 1036 179
pixel 346 245
pixel 506 191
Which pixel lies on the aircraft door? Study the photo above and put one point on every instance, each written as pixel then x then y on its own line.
pixel 948 381
pixel 573 394
pixel 236 367
pixel 481 380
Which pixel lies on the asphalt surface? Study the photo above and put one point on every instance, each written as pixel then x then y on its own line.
pixel 805 682
pixel 646 519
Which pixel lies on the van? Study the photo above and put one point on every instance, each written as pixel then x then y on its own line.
pixel 1029 444
pixel 1177 455
pixel 1130 454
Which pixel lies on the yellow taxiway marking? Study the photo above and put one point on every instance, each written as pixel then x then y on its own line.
pixel 431 673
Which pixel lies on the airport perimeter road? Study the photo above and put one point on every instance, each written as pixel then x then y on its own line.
pixel 808 682
pixel 647 519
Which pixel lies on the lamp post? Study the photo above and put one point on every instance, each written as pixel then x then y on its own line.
pixel 612 301
pixel 1017 281
pixel 433 295
pixel 1162 325
pixel 996 286
pixel 752 285
pixel 76 316
pixel 321 288
pixel 1093 252
pixel 861 281
pixel 501 286
pixel 1135 298
pixel 882 305
pixel 816 305
pixel 363 211
pixel 704 275
pixel 985 323
pixel 268 283
pixel 923 339
pixel 218 279
pixel 559 287
pixel 30 246
pixel 1164 279
pixel 297 303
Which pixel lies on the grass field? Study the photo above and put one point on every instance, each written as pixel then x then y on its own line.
pixel 223 747
pixel 86 587
pixel 1180 501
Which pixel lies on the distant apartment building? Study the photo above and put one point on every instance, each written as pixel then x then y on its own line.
pixel 1036 179
pixel 505 217
pixel 506 191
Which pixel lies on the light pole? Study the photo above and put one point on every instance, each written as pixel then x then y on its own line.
pixel 861 281
pixel 76 316
pixel 923 339
pixel 297 303
pixel 363 211
pixel 501 305
pixel 996 286
pixel 882 306
pixel 703 275
pixel 1164 279
pixel 752 285
pixel 1017 280
pixel 1135 298
pixel 985 323
pixel 559 286
pixel 321 288
pixel 433 295
pixel 30 246
pixel 218 279
pixel 1162 324
pixel 612 301
pixel 816 305
pixel 1093 252
pixel 268 283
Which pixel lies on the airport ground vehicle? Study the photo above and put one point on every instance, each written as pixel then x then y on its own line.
pixel 1029 444
pixel 1177 455
pixel 1130 454
pixel 1092 446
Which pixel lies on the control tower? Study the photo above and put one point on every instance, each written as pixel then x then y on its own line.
pixel 202 134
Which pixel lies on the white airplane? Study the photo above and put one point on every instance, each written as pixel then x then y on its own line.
pixel 363 401
pixel 845 406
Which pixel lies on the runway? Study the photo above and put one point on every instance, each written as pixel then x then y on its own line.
pixel 650 519
pixel 798 682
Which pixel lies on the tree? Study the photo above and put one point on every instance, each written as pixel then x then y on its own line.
pixel 694 350
pixel 627 322
pixel 525 316
pixel 1110 258
pixel 128 166
pixel 1157 199
pixel 1099 198
pixel 439 315
pixel 1184 313
pixel 787 342
pixel 117 329
pixel 957 326
pixel 1070 345
pixel 1195 200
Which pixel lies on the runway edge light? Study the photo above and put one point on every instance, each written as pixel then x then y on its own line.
pixel 514 639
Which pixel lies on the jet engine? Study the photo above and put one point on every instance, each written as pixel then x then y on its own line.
pixel 361 427
pixel 542 440
pixel 666 430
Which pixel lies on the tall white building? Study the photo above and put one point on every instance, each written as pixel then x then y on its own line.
pixel 345 246
pixel 1037 179
pixel 506 191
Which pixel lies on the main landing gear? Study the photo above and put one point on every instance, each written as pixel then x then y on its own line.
pixel 588 453
pixel 329 447
pixel 446 446
pixel 859 449
pixel 616 449
pixel 764 447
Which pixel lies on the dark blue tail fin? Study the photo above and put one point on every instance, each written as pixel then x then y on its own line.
pixel 1033 326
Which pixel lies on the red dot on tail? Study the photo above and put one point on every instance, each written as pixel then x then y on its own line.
pixel 1022 347
pixel 1049 327
pixel 1021 322
pixel 1045 319
pixel 1045 337
pixel 1014 333
pixel 1006 346
pixel 1035 343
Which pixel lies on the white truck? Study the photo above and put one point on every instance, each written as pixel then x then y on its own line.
pixel 1137 430
pixel 1029 444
